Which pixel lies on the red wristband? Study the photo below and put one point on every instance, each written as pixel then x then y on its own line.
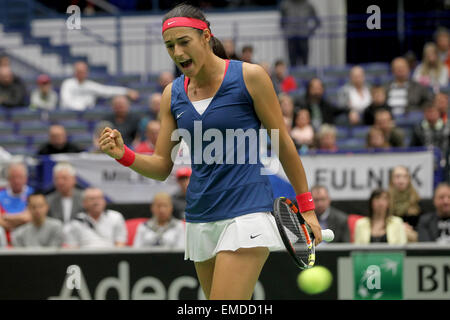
pixel 127 158
pixel 305 202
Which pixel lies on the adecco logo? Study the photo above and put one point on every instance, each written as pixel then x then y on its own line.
pixel 145 288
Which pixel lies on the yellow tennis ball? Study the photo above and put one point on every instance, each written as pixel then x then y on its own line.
pixel 315 280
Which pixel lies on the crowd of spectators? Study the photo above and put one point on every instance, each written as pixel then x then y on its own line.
pixel 72 217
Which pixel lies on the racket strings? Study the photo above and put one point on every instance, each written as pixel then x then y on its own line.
pixel 295 233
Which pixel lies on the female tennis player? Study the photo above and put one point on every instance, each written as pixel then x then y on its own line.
pixel 229 228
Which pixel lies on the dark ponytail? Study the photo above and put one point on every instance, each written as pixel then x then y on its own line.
pixel 188 11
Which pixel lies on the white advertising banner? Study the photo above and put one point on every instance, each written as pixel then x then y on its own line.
pixel 348 176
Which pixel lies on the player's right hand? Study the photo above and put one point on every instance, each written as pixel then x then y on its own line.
pixel 111 143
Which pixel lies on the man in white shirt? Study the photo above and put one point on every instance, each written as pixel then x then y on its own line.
pixel 162 230
pixel 65 202
pixel 96 227
pixel 79 93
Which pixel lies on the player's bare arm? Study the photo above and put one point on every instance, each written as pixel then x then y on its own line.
pixel 268 110
pixel 158 165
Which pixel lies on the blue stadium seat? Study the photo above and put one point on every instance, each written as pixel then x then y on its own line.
pixel 343 132
pixel 12 141
pixel 359 131
pixel 351 144
pixel 6 128
pixel 22 114
pixel 58 115
pixel 32 127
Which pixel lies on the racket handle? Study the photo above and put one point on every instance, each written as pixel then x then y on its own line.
pixel 327 235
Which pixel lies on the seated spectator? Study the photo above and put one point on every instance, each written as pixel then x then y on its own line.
pixel 79 93
pixel 99 127
pixel 403 94
pixel 355 95
pixel 230 49
pixel 148 145
pixel 44 97
pixel 380 226
pixel 162 230
pixel 326 138
pixel 375 139
pixel 378 103
pixel 282 82
pixel 319 108
pixel 4 60
pixel 3 240
pixel 124 120
pixel 287 109
pixel 442 39
pixel 12 89
pixel 393 135
pixel 435 226
pixel 164 79
pixel 13 199
pixel 404 200
pixel 303 132
pixel 57 142
pixel 65 202
pixel 441 102
pixel 154 104
pixel 431 72
pixel 247 53
pixel 328 216
pixel 179 198
pixel 41 231
pixel 96 227
pixel 432 131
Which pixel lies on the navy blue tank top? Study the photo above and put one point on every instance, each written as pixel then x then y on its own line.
pixel 226 178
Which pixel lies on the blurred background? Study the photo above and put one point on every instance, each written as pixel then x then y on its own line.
pixel 363 87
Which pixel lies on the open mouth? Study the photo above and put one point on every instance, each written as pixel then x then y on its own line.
pixel 186 64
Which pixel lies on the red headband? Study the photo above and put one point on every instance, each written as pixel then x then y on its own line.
pixel 185 22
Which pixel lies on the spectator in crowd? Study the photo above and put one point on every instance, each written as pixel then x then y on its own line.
pixel 79 93
pixel 403 94
pixel 393 135
pixel 154 104
pixel 435 226
pixel 65 202
pixel 44 97
pixel 431 131
pixel 230 49
pixel 431 72
pixel 179 199
pixel 442 39
pixel 287 109
pixel 247 53
pixel 404 200
pixel 303 132
pixel 411 58
pixel 378 103
pixel 282 82
pixel 4 60
pixel 375 139
pixel 99 127
pixel 13 199
pixel 380 226
pixel 57 142
pixel 12 89
pixel 96 227
pixel 299 21
pixel 164 79
pixel 326 138
pixel 41 231
pixel 355 95
pixel 441 102
pixel 124 120
pixel 3 240
pixel 162 230
pixel 328 216
pixel 148 145
pixel 320 109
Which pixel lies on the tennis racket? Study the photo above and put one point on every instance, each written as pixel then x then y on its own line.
pixel 296 234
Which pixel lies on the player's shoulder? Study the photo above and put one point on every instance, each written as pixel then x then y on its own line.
pixel 252 71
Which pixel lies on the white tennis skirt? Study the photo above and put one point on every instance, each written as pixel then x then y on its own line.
pixel 205 240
